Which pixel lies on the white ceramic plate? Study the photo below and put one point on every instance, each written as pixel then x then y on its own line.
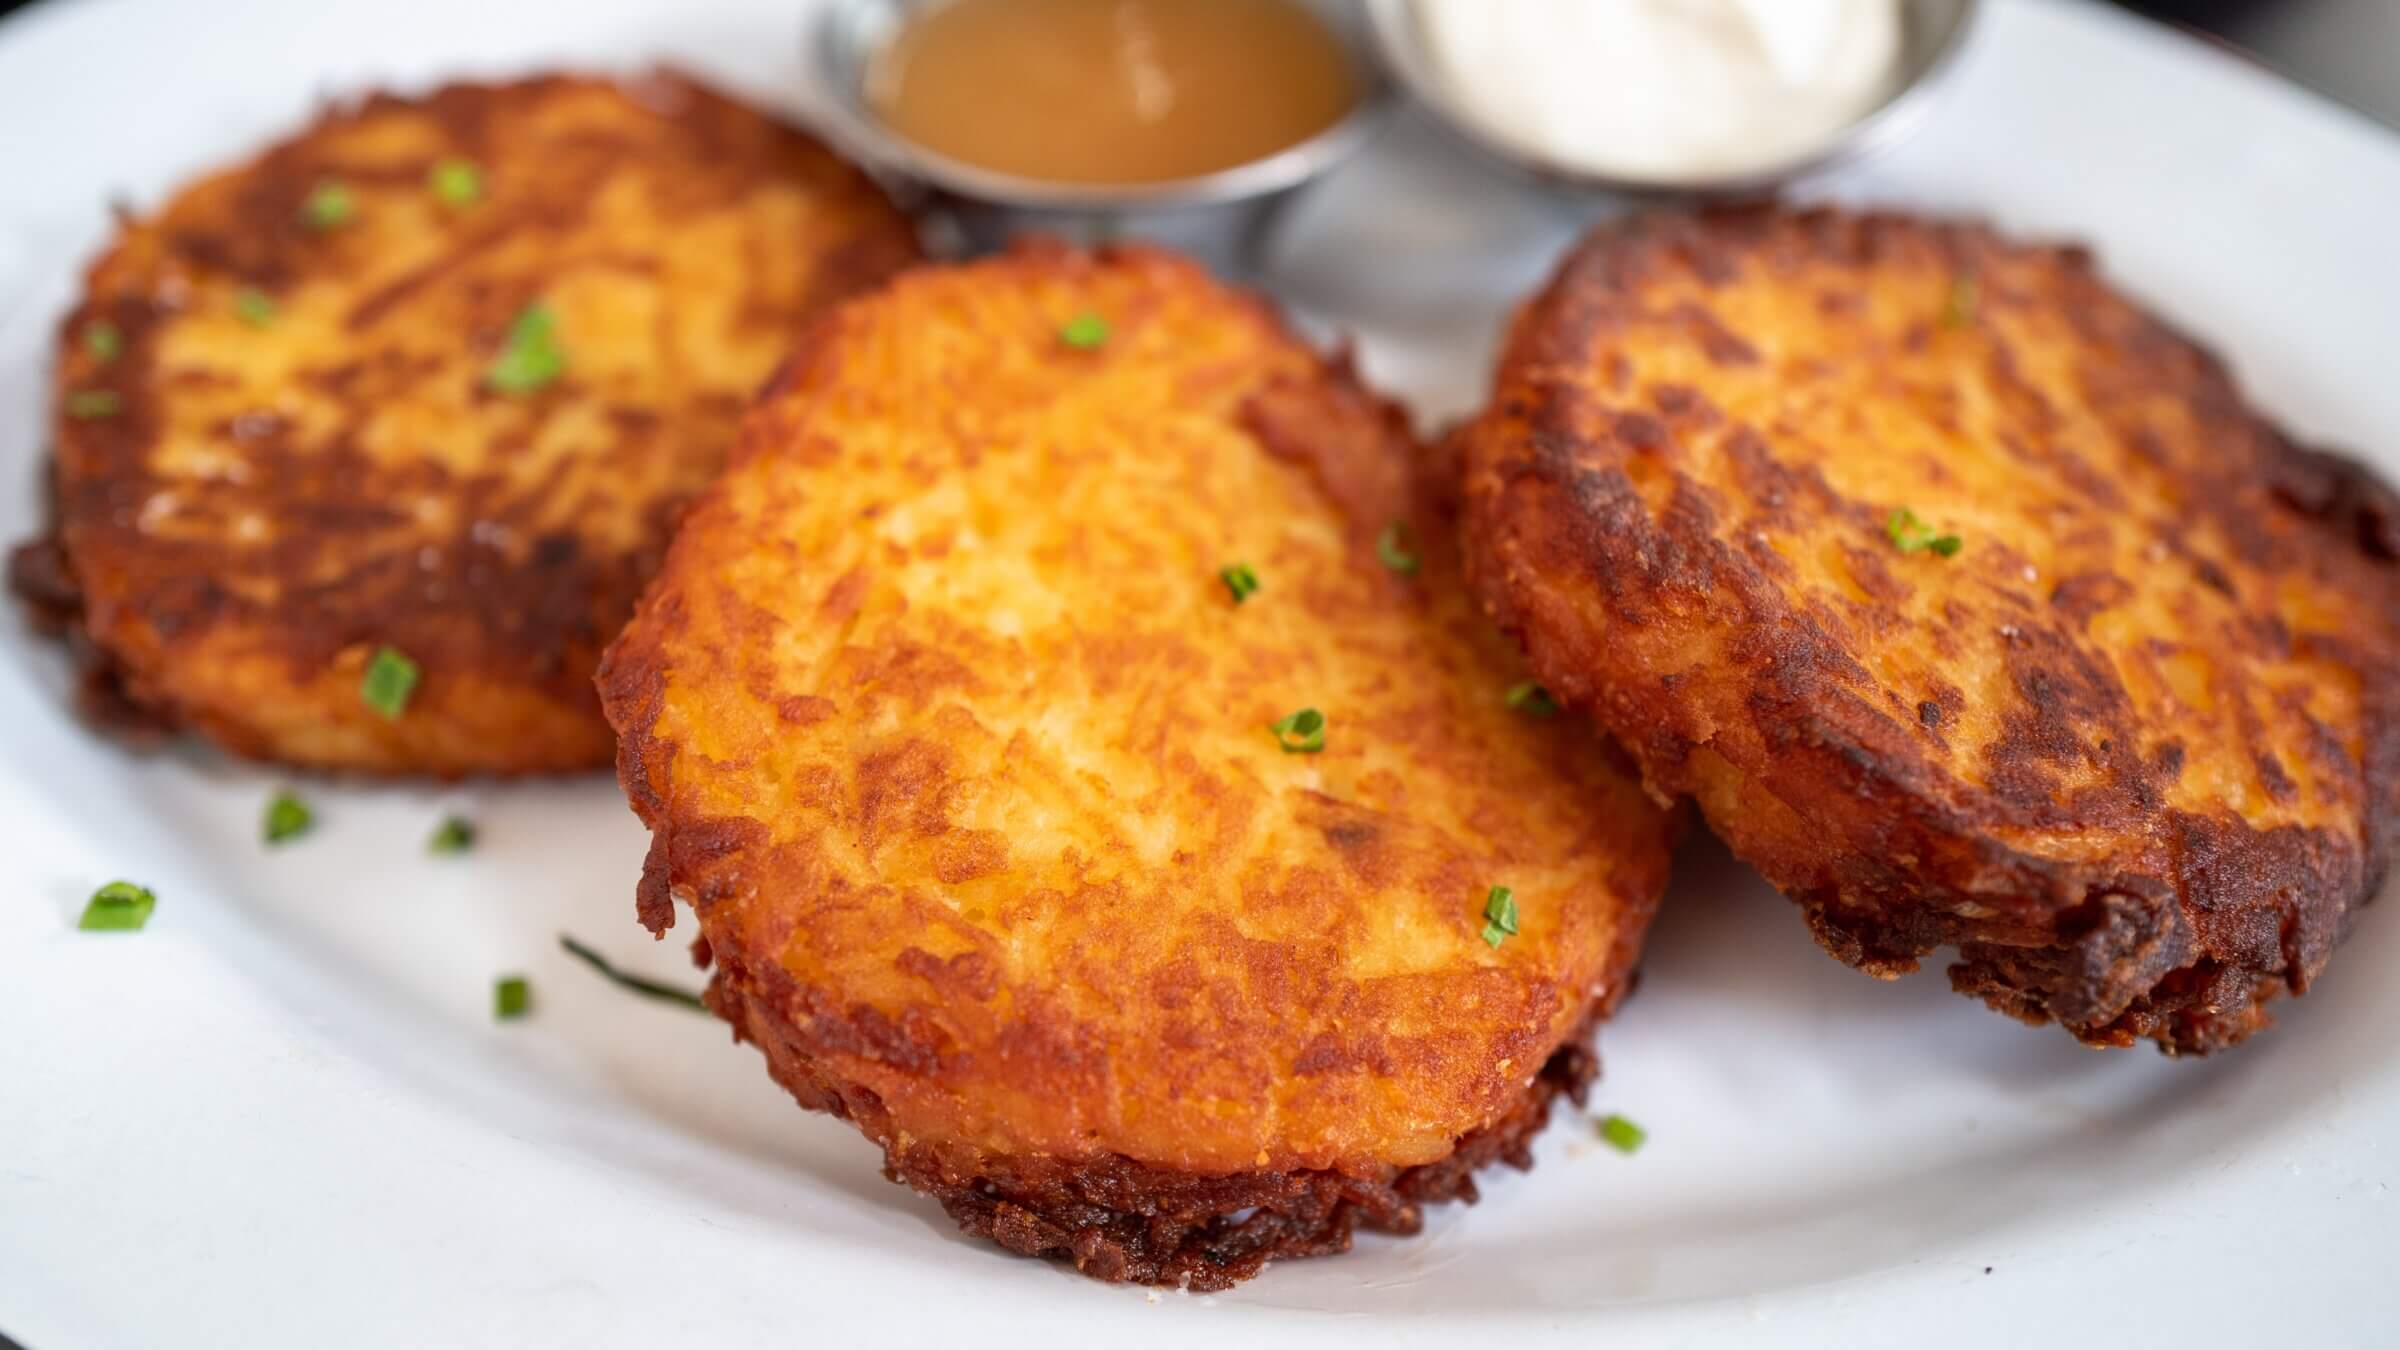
pixel 283 1116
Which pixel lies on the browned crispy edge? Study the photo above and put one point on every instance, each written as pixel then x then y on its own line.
pixel 43 581
pixel 1128 1222
pixel 109 693
pixel 2188 962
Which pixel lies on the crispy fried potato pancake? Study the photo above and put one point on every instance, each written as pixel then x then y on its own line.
pixel 2116 710
pixel 946 724
pixel 298 418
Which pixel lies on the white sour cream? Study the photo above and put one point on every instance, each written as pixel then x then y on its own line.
pixel 1664 90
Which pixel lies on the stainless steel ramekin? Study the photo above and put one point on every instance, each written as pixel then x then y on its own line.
pixel 1932 33
pixel 1220 217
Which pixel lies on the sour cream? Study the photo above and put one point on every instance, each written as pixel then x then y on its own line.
pixel 1664 90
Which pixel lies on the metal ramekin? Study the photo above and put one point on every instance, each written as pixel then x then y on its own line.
pixel 1933 31
pixel 1220 217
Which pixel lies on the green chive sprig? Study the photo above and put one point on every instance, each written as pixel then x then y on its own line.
pixel 1966 296
pixel 455 835
pixel 664 993
pixel 1241 580
pixel 1531 699
pixel 1085 332
pixel 1397 547
pixel 1621 1134
pixel 391 677
pixel 1301 732
pixel 512 998
pixel 530 357
pixel 328 206
pixel 287 817
pixel 1499 916
pixel 1912 535
pixel 118 907
pixel 455 182
pixel 92 405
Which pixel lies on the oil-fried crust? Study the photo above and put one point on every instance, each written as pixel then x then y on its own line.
pixel 277 446
pixel 1127 1222
pixel 2134 749
pixel 947 729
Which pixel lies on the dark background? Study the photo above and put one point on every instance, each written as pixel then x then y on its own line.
pixel 2347 49
pixel 2199 13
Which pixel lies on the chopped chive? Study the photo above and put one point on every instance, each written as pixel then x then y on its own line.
pixel 1965 297
pixel 664 993
pixel 328 206
pixel 118 907
pixel 455 182
pixel 1499 916
pixel 512 998
pixel 1531 699
pixel 1085 332
pixel 254 306
pixel 456 834
pixel 1397 547
pixel 1241 579
pixel 1911 535
pixel 1621 1134
pixel 530 357
pixel 105 341
pixel 1302 733
pixel 287 817
pixel 91 405
pixel 391 677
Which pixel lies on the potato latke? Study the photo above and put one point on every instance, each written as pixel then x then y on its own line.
pixel 432 377
pixel 1970 602
pixel 948 723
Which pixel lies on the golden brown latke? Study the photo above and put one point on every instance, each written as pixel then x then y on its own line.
pixel 280 447
pixel 945 723
pixel 2134 746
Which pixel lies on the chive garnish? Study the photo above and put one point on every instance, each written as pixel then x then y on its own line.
pixel 456 834
pixel 118 907
pixel 254 306
pixel 530 358
pixel 512 997
pixel 105 341
pixel 1621 1134
pixel 1302 733
pixel 90 405
pixel 1397 547
pixel 1085 332
pixel 664 993
pixel 391 677
pixel 1531 699
pixel 1965 297
pixel 1499 916
pixel 287 817
pixel 1241 579
pixel 1911 535
pixel 455 182
pixel 328 206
